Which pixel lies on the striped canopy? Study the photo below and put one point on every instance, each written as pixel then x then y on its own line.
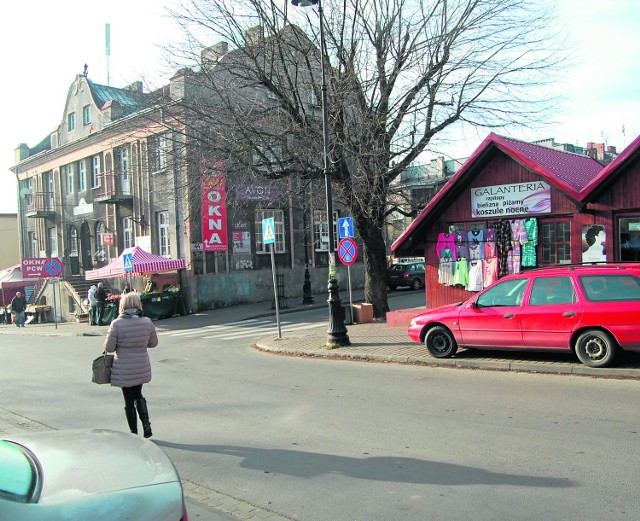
pixel 144 263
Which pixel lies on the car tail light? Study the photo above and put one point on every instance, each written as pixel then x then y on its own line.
pixel 185 515
pixel 407 274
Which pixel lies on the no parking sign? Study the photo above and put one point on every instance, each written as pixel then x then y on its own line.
pixel 347 251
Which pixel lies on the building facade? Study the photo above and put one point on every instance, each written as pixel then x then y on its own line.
pixel 9 238
pixel 123 168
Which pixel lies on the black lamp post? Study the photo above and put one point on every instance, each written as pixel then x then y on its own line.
pixel 307 296
pixel 337 333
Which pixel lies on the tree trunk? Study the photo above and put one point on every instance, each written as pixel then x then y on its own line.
pixel 375 262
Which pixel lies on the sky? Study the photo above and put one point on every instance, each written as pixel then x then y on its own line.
pixel 45 45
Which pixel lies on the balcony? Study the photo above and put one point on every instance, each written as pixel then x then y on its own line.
pixel 40 204
pixel 113 189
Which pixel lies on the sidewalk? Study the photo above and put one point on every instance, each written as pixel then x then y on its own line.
pixel 374 342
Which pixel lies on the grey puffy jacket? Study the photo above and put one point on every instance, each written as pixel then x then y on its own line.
pixel 129 336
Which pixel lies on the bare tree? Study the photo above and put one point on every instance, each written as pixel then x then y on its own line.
pixel 399 74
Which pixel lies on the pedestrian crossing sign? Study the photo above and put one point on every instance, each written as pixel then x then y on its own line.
pixel 128 262
pixel 268 231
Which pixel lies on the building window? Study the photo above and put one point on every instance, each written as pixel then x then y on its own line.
pixel 69 178
pixel 556 242
pixel 82 176
pixel 312 97
pixel 127 232
pixel 52 242
pixel 278 220
pixel 86 114
pixel 32 244
pixel 157 153
pixel 71 121
pixel 73 242
pixel 95 161
pixel 100 231
pixel 163 234
pixel 321 230
pixel 629 238
pixel 125 178
pixel 266 155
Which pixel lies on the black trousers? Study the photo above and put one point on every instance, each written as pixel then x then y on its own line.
pixel 131 394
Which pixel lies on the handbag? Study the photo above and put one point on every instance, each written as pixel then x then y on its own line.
pixel 101 369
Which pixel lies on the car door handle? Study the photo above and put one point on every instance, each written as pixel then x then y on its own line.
pixel 509 315
pixel 569 314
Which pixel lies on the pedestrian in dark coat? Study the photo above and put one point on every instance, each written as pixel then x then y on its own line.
pixel 101 303
pixel 129 336
pixel 19 308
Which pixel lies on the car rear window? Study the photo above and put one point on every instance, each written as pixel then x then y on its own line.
pixel 610 288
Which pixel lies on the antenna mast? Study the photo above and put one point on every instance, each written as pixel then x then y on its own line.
pixel 107 30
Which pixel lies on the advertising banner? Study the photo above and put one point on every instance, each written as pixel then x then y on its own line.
pixel 32 267
pixel 214 206
pixel 512 199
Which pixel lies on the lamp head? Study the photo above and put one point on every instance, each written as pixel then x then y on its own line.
pixel 304 3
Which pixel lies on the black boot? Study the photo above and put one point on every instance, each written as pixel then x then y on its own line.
pixel 132 419
pixel 143 412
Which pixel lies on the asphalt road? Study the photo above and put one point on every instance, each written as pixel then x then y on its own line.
pixel 270 436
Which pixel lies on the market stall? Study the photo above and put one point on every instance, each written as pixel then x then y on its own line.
pixel 157 303
pixel 12 281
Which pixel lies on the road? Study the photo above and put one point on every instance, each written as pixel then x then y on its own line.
pixel 326 440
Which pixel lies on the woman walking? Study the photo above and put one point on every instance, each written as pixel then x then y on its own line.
pixel 129 336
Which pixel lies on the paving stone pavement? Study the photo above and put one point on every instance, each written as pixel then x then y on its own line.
pixel 376 342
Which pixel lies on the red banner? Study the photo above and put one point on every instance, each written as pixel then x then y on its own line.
pixel 214 205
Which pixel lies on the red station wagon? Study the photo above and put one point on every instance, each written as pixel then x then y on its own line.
pixel 592 310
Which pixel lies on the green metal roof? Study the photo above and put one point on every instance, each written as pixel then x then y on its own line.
pixel 130 101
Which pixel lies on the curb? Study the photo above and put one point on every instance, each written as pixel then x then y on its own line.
pixel 455 363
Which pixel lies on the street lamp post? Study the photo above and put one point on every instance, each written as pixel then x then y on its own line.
pixel 337 334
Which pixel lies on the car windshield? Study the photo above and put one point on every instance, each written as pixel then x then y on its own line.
pixel 610 288
pixel 19 477
pixel 398 267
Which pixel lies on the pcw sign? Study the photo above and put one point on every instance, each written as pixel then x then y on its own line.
pixel 214 206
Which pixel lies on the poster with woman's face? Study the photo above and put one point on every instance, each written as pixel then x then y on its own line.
pixel 593 243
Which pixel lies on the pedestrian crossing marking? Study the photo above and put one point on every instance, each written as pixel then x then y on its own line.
pixel 248 328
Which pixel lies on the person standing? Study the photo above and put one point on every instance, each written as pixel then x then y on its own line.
pixel 101 303
pixel 19 308
pixel 91 295
pixel 128 337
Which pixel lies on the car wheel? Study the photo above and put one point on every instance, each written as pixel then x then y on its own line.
pixel 440 342
pixel 416 284
pixel 596 348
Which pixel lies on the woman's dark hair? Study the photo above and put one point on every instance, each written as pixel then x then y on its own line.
pixel 592 233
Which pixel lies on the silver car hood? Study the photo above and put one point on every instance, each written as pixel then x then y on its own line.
pixel 82 463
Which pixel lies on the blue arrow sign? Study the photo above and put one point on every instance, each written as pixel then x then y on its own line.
pixel 345 227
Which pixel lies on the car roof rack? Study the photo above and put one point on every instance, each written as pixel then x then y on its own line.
pixel 604 264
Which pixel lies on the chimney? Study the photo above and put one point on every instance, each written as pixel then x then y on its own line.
pixel 21 152
pixel 136 87
pixel 211 55
pixel 254 36
pixel 180 85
